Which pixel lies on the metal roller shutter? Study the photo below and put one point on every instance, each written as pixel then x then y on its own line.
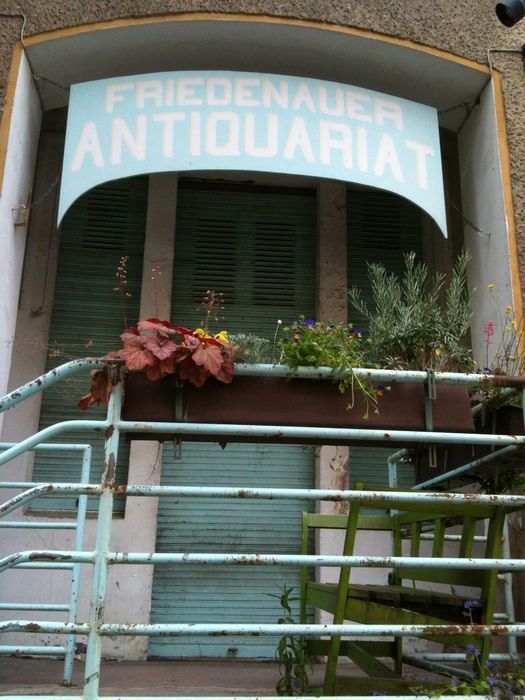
pixel 258 248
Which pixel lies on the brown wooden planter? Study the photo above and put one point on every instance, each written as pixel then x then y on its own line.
pixel 295 402
pixel 506 420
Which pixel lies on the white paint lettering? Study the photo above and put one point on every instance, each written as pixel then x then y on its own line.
pixel 186 96
pixel 303 96
pixel 168 119
pixel 195 133
pixel 269 150
pixel 169 89
pixel 270 94
pixel 224 144
pixel 298 139
pixel 148 90
pixel 88 144
pixel 361 149
pixel 135 143
pixel 387 156
pixel 113 94
pixel 386 109
pixel 214 96
pixel 422 151
pixel 244 92
pixel 338 137
pixel 356 104
pixel 337 110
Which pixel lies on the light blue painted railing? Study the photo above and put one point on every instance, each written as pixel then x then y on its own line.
pixel 78 525
pixel 101 558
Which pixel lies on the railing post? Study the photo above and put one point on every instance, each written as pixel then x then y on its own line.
pixel 75 577
pixel 100 569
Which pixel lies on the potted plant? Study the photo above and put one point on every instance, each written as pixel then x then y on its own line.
pixel 181 374
pixel 497 405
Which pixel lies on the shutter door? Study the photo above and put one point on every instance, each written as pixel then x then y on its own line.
pixel 258 248
pixel 381 228
pixel 102 226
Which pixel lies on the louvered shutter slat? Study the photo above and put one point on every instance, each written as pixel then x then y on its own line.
pixel 102 226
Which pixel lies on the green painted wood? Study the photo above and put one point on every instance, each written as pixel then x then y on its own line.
pixel 87 319
pixel 439 538
pixel 381 228
pixel 367 661
pixel 258 248
pixel 413 604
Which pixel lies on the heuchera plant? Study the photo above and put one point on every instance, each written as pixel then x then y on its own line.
pixel 158 349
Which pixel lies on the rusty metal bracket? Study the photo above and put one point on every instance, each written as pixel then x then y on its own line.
pixel 179 414
pixel 430 395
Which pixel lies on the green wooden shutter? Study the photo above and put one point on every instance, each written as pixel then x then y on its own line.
pixel 102 226
pixel 258 248
pixel 381 228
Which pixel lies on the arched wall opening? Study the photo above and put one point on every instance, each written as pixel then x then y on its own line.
pixel 469 103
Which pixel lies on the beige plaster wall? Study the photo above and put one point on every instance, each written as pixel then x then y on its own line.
pixel 462 27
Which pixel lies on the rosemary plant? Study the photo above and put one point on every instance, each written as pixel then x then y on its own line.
pixel 418 321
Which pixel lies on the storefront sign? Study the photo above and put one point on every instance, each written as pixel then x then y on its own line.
pixel 214 120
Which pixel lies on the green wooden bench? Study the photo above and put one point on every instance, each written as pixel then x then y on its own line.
pixel 407 598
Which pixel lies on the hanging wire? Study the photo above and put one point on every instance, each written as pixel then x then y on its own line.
pixel 468 106
pixel 481 232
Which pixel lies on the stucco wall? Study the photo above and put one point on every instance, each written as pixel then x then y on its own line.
pixel 450 25
pixel 462 27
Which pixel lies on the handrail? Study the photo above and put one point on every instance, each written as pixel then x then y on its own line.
pixel 379 375
pixel 101 558
pixel 52 377
pixel 68 651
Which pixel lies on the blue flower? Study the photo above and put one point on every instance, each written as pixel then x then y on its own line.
pixel 470 604
pixel 454 682
pixel 309 323
pixel 471 649
pixel 491 681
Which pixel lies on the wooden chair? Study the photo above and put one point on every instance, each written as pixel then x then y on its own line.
pixel 397 602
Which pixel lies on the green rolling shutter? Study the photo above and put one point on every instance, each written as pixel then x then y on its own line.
pixel 258 248
pixel 87 319
pixel 381 227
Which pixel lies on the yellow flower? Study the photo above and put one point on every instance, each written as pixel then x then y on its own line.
pixel 222 336
pixel 513 324
pixel 508 310
pixel 201 333
pixel 438 351
pixel 490 287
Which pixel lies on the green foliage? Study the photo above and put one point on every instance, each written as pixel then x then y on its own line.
pixel 418 323
pixel 511 479
pixel 315 344
pixel 251 349
pixel 498 680
pixel 291 652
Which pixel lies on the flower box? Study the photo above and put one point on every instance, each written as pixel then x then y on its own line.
pixel 275 401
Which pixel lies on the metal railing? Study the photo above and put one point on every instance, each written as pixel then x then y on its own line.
pixel 101 558
pixel 78 525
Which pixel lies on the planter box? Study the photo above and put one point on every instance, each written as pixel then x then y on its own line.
pixel 295 402
pixel 507 420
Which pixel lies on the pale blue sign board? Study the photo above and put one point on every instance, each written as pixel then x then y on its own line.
pixel 228 121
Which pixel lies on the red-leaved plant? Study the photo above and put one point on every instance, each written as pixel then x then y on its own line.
pixel 158 349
